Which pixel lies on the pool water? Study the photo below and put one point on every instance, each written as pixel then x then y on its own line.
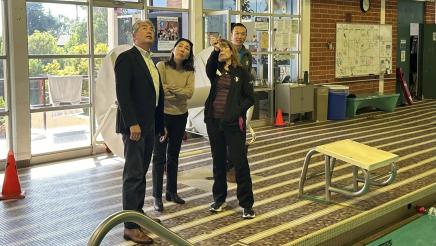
pixel 421 231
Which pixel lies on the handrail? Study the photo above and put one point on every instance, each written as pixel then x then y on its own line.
pixel 141 219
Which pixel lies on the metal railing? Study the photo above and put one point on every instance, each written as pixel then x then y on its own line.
pixel 142 220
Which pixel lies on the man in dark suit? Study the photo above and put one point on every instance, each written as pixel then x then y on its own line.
pixel 139 116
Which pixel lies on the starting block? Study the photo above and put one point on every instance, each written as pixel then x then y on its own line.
pixel 360 156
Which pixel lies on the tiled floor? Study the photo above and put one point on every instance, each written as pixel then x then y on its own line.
pixel 66 201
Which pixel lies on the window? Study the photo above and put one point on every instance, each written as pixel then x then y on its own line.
pixel 286 7
pixel 64 58
pixel 3 85
pixel 273 38
pixel 113 27
pixel 217 25
pixel 285 67
pixel 170 3
pixel 59 80
pixel 256 6
pixel 57 29
pixel 219 4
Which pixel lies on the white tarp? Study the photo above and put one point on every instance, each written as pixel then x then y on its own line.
pixel 105 97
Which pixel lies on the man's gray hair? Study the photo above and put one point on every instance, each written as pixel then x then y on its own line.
pixel 138 23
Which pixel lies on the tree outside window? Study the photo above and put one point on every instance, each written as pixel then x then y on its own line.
pixel 58 35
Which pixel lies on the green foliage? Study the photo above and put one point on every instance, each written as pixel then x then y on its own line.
pixel 35 67
pixel 78 48
pixel 2 102
pixel 43 43
pixel 76 66
pixel 78 35
pixel 101 48
pixel 100 25
pixel 38 20
pixel 52 68
pixel 44 32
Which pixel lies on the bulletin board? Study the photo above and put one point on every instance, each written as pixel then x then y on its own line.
pixel 363 49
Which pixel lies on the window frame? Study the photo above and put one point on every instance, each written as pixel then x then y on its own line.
pixel 141 5
pixel 270 52
pixel 6 112
pixel 88 56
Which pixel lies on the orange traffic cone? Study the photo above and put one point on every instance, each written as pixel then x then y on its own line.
pixel 279 119
pixel 11 184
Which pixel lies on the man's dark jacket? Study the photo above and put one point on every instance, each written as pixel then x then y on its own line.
pixel 136 95
pixel 246 58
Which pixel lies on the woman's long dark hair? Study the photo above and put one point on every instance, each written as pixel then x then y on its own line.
pixel 187 64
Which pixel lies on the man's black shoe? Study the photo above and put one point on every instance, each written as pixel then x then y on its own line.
pixel 158 205
pixel 174 198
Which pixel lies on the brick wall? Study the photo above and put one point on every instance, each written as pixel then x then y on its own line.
pixel 324 16
pixel 429 13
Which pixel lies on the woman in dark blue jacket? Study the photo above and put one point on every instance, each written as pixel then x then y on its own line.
pixel 231 95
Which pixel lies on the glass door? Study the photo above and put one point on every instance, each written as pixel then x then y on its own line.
pixel 218 23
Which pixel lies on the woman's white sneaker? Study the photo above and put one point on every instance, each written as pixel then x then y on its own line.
pixel 248 213
pixel 217 207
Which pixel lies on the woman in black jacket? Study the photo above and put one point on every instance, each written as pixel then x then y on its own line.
pixel 231 95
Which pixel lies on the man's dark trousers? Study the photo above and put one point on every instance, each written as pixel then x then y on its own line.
pixel 137 156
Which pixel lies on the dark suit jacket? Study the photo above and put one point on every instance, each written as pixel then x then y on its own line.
pixel 136 95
